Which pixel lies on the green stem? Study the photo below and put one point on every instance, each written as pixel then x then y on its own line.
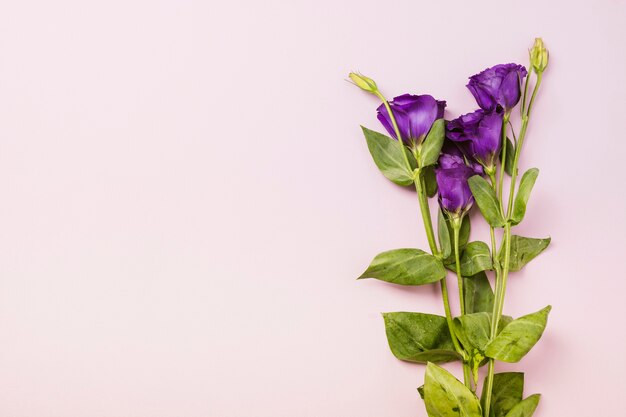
pixel 426 217
pixel 506 240
pixel 523 106
pixel 532 98
pixel 456 227
pixel 428 226
pixel 395 128
pixel 505 120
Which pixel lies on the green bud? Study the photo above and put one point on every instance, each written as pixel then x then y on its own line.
pixel 539 56
pixel 363 82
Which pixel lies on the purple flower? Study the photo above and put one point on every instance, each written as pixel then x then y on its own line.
pixel 497 87
pixel 455 196
pixel 478 135
pixel 452 157
pixel 414 115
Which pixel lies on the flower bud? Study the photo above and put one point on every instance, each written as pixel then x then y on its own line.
pixel 363 82
pixel 539 56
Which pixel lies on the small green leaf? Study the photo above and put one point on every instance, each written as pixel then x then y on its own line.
pixel 388 157
pixel 446 396
pixel 444 234
pixel 420 390
pixel 510 153
pixel 419 337
pixel 524 250
pixel 508 389
pixel 523 193
pixel 478 293
pixel 431 147
pixel 430 180
pixel 476 258
pixel 525 408
pixel 487 201
pixel 473 330
pixel 405 267
pixel 518 337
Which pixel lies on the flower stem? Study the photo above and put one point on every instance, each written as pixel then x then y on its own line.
pixel 456 227
pixel 425 210
pixel 505 120
pixel 506 241
pixel 396 129
pixel 428 227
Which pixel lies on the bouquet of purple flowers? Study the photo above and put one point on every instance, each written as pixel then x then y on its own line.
pixel 463 162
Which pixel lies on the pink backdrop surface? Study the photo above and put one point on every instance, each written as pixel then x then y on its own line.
pixel 187 200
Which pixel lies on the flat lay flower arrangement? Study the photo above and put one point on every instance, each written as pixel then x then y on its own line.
pixel 463 163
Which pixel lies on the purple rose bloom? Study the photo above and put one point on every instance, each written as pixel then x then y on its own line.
pixel 455 196
pixel 497 87
pixel 414 115
pixel 452 157
pixel 478 135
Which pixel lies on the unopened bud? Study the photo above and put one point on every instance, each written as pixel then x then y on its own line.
pixel 539 56
pixel 363 82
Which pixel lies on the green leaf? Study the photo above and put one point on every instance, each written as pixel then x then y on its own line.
pixel 477 293
pixel 446 396
pixel 473 330
pixel 526 408
pixel 476 258
pixel 430 180
pixel 510 152
pixel 518 337
pixel 420 390
pixel 419 337
pixel 431 147
pixel 508 389
pixel 523 193
pixel 388 157
pixel 487 201
pixel 444 234
pixel 524 250
pixel 405 267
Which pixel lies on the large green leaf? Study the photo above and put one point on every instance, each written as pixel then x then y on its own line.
pixel 518 337
pixel 476 258
pixel 508 389
pixel 388 157
pixel 446 396
pixel 487 201
pixel 419 337
pixel 523 193
pixel 478 294
pixel 524 250
pixel 443 232
pixel 431 147
pixel 405 267
pixel 525 408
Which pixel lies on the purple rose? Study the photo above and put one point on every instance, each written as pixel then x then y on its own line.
pixel 497 87
pixel 414 115
pixel 452 157
pixel 478 135
pixel 455 196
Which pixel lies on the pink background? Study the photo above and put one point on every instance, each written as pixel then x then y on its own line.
pixel 187 200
